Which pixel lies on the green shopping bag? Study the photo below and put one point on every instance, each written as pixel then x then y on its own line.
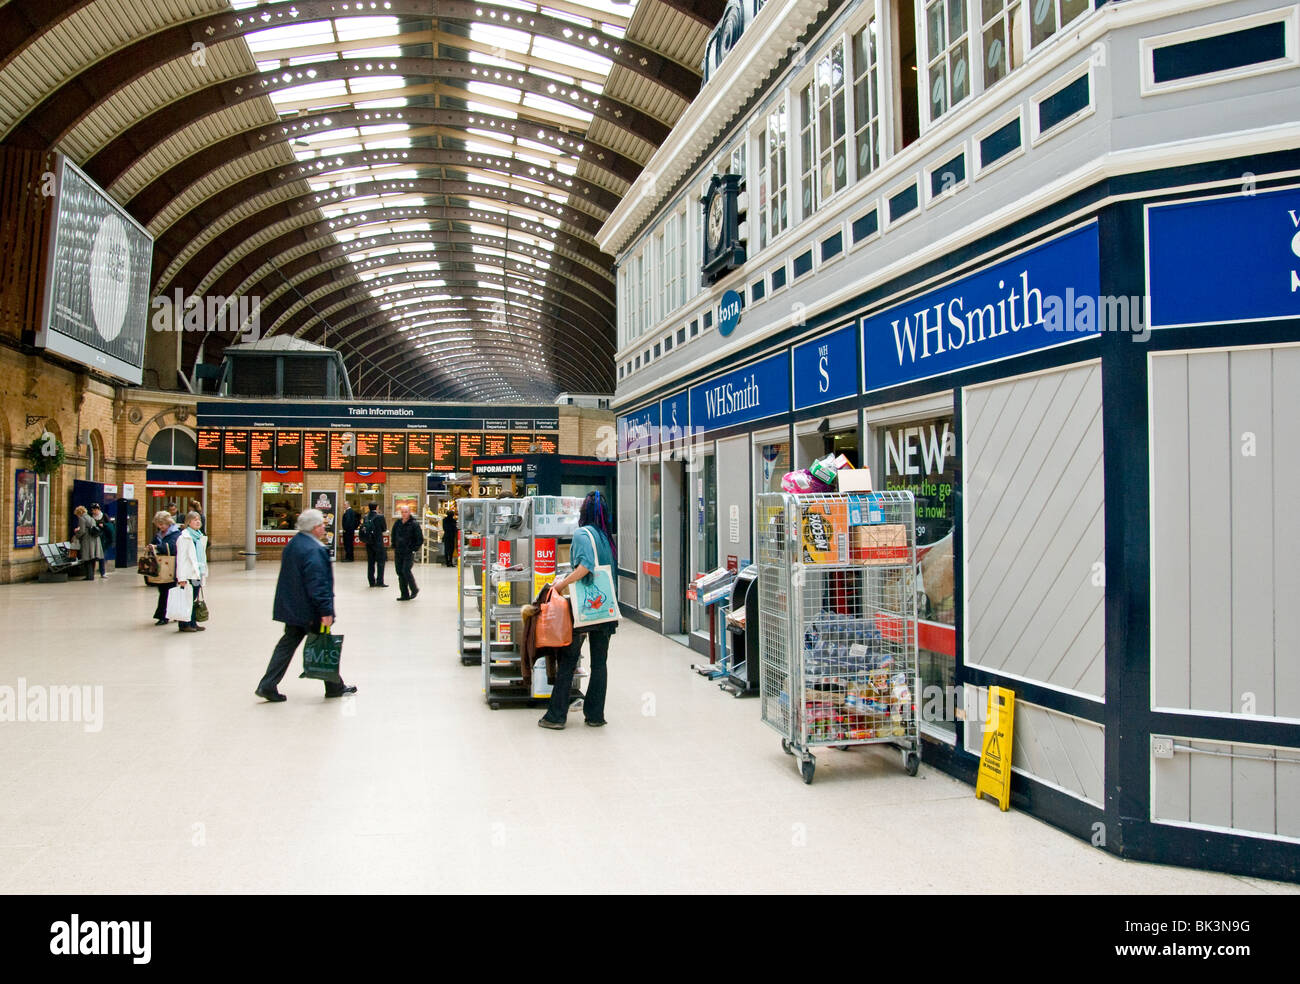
pixel 320 658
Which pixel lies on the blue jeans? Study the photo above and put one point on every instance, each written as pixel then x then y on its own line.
pixel 593 703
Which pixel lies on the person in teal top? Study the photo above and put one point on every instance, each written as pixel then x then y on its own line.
pixel 594 517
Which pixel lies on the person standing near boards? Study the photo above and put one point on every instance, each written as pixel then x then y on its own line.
pixel 192 565
pixel 350 523
pixel 372 535
pixel 107 535
pixel 449 534
pixel 407 539
pixel 89 549
pixel 594 517
pixel 164 545
pixel 304 602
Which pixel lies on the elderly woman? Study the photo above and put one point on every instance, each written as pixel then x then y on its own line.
pixel 89 549
pixel 192 564
pixel 163 544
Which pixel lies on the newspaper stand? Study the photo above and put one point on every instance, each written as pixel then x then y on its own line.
pixel 837 622
pixel 471 531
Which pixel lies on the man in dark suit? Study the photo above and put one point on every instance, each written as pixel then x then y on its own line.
pixel 351 521
pixel 449 538
pixel 304 602
pixel 372 535
pixel 407 539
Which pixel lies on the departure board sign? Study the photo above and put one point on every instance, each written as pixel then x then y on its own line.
pixel 366 455
pixel 234 450
pixel 209 455
pixel 392 451
pixel 495 443
pixel 315 450
pixel 342 446
pixel 417 450
pixel 261 449
pixel 288 449
pixel 444 452
pixel 469 447
pixel 546 444
pixel 520 443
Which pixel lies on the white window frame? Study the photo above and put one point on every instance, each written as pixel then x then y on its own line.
pixel 1290 16
pixel 865 206
pixel 785 154
pixel 820 143
pixel 842 228
pixel 1030 46
pixel 876 72
pixel 1037 136
pixel 978 169
pixel 43 499
pixel 925 57
pixel 887 222
pixel 949 153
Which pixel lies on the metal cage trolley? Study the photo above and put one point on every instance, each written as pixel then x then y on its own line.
pixel 837 622
pixel 472 530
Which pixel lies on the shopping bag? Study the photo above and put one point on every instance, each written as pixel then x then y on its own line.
pixel 166 572
pixel 200 609
pixel 147 565
pixel 321 656
pixel 595 602
pixel 554 621
pixel 180 604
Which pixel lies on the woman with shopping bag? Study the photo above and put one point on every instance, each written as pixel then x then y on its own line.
pixel 191 568
pixel 594 608
pixel 163 550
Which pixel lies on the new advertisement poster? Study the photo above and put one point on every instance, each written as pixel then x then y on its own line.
pixel 24 509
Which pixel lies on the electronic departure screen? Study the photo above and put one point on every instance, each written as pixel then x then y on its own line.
pixel 546 443
pixel 261 449
pixel 315 450
pixel 209 447
pixel 366 455
pixel 495 442
pixel 469 447
pixel 520 443
pixel 417 450
pixel 392 451
pixel 444 452
pixel 288 449
pixel 234 450
pixel 342 447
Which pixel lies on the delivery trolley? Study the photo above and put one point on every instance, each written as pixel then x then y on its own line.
pixel 837 621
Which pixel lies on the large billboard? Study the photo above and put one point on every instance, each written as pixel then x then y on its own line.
pixel 96 306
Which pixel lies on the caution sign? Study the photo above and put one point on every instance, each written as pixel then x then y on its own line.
pixel 995 760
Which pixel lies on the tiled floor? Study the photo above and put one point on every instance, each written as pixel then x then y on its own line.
pixel 194 785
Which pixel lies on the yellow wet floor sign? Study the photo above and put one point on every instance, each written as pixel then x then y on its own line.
pixel 995 760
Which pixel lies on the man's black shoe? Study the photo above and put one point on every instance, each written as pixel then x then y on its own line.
pixel 274 696
pixel 404 597
pixel 342 693
pixel 414 592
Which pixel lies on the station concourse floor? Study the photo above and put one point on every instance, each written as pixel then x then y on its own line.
pixel 194 785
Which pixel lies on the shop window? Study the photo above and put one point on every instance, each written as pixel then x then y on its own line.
pixel 281 504
pixel 907 121
pixel 1001 34
pixel 1067 101
pixel 1049 16
pixel 803 263
pixel 948 55
pixel 949 176
pixel 832 246
pixel 866 99
pixel 695 328
pixel 681 335
pixel 1221 53
pixel 823 164
pixel 704 526
pixel 778 278
pixel 756 290
pixel 921 456
pixel 668 343
pixel 649 554
pixel 658 349
pixel 865 226
pixel 772 461
pixel 708 320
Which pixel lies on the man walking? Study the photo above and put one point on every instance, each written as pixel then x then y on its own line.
pixel 304 602
pixel 449 532
pixel 372 535
pixel 407 538
pixel 351 521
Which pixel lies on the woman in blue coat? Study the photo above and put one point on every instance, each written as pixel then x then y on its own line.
pixel 163 544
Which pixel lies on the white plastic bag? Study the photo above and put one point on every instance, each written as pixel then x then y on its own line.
pixel 180 604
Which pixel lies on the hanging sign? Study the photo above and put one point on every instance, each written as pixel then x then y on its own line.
pixel 728 313
pixel 995 759
pixel 826 368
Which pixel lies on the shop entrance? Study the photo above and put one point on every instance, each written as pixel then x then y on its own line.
pixel 831 435
pixel 674 553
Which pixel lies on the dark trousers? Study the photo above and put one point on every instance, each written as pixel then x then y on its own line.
pixel 449 552
pixel 349 543
pixel 161 610
pixel 282 656
pixel 593 704
pixel 403 560
pixel 376 557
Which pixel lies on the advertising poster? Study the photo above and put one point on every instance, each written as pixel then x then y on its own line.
pixel 24 509
pixel 543 562
pixel 327 502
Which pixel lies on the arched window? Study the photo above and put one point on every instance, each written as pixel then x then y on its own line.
pixel 173 447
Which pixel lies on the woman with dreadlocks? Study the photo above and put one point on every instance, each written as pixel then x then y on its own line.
pixel 595 518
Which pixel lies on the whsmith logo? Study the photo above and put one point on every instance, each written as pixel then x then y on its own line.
pixel 953 326
pixel 75 938
pixel 727 398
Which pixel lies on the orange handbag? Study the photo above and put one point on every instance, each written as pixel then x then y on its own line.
pixel 554 621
